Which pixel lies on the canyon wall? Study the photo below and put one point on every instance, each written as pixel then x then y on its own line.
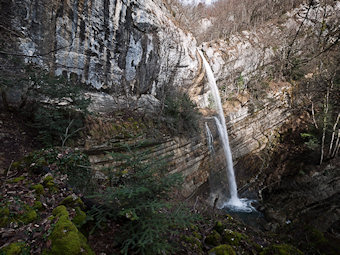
pixel 128 52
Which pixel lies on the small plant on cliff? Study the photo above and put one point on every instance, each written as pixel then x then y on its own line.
pixel 139 200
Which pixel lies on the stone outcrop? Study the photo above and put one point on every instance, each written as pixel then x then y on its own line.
pixel 190 157
pixel 311 199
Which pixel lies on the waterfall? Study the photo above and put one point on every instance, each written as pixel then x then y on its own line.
pixel 210 138
pixel 222 131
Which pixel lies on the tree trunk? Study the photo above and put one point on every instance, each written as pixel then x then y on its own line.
pixel 313 115
pixel 326 106
pixel 330 152
pixel 337 145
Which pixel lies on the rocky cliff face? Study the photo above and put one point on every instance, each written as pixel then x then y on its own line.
pixel 127 52
pixel 130 50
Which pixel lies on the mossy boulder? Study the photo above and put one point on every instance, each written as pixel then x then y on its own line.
pixel 193 242
pixel 65 237
pixel 281 249
pixel 232 237
pixel 80 217
pixel 39 189
pixel 60 210
pixel 73 201
pixel 213 239
pixel 223 249
pixel 4 217
pixel 13 249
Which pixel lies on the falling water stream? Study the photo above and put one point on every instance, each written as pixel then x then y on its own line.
pixel 234 203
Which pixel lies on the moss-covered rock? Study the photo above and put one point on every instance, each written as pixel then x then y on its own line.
pixel 80 217
pixel 193 242
pixel 213 239
pixel 60 211
pixel 39 189
pixel 232 237
pixel 73 201
pixel 223 249
pixel 281 249
pixel 4 217
pixel 13 249
pixel 65 237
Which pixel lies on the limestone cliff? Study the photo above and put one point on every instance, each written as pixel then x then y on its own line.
pixel 127 52
pixel 128 49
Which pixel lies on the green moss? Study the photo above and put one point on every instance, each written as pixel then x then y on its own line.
pixel 65 237
pixel 49 183
pixel 67 200
pixel 60 211
pixel 80 217
pixel 281 249
pixel 194 242
pixel 17 165
pixel 51 187
pixel 28 216
pixel 223 249
pixel 232 237
pixel 39 189
pixel 219 227
pixel 13 249
pixel 38 206
pixel 17 179
pixel 62 227
pixel 47 179
pixel 4 217
pixel 73 201
pixel 213 239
